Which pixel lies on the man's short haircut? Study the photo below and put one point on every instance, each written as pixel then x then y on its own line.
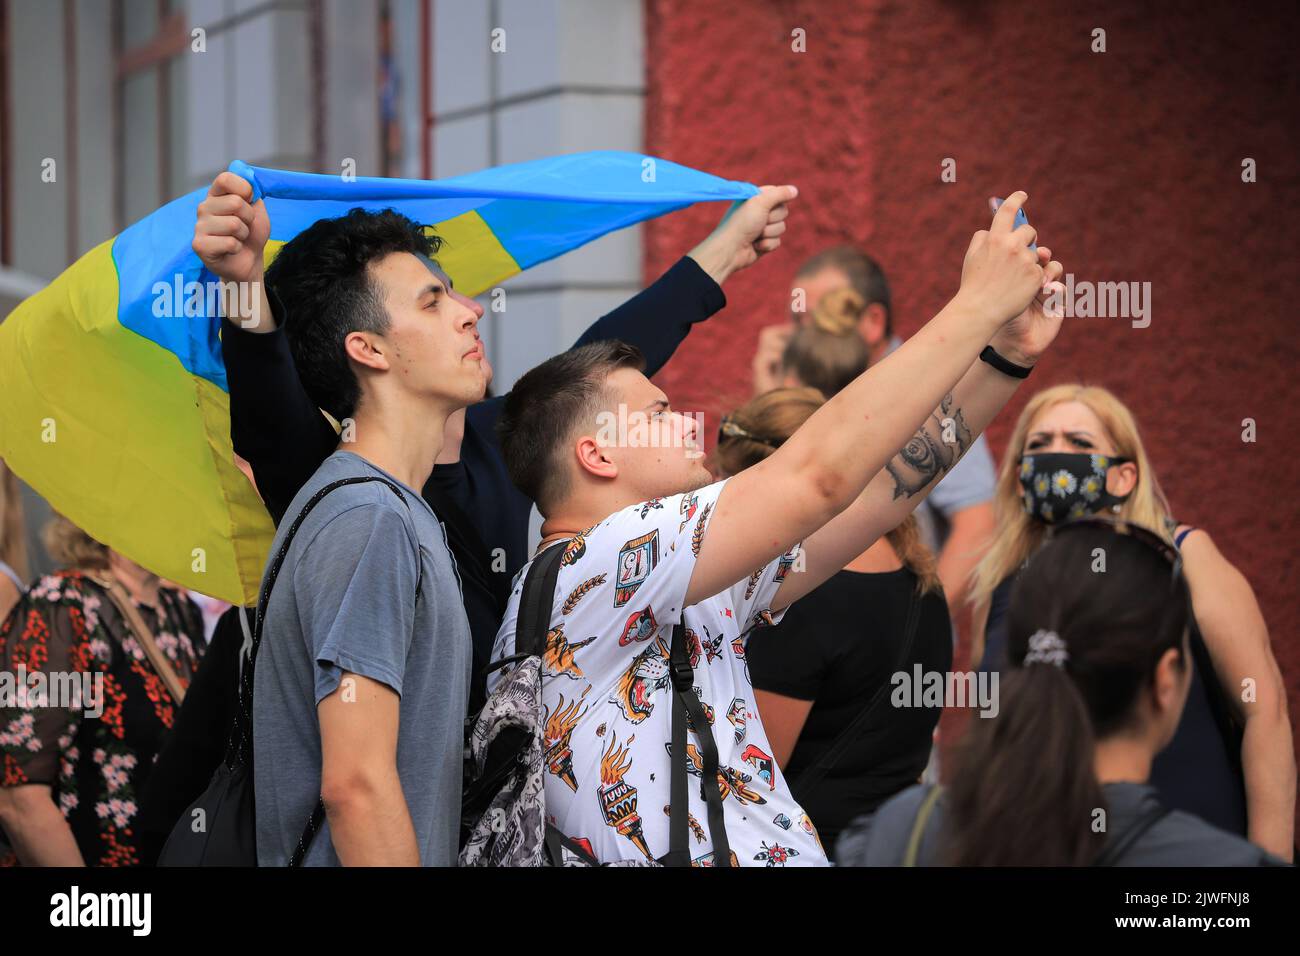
pixel 323 283
pixel 863 272
pixel 545 409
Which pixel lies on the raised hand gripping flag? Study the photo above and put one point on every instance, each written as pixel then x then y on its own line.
pixel 113 395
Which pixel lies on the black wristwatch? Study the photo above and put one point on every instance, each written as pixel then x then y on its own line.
pixel 1002 365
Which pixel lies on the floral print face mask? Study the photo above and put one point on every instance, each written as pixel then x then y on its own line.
pixel 1058 486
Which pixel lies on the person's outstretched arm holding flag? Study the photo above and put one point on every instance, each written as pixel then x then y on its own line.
pixel 284 449
pixel 278 428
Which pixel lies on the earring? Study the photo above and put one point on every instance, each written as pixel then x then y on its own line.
pixel 1115 508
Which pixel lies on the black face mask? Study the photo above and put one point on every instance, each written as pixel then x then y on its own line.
pixel 1058 486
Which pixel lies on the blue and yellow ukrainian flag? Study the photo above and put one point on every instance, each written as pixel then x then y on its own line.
pixel 113 397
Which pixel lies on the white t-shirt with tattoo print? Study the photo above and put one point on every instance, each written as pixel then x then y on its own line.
pixel 607 692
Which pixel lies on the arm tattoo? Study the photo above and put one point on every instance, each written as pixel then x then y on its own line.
pixel 932 451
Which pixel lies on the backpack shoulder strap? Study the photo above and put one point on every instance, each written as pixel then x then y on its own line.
pixel 533 619
pixel 923 814
pixel 686 708
pixel 274 571
pixel 533 616
pixel 532 622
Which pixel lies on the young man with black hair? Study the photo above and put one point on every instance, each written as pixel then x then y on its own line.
pixel 362 675
pixel 650 543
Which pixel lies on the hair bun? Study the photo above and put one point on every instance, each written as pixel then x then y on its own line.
pixel 838 311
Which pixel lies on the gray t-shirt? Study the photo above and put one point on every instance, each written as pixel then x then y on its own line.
pixel 345 600
pixel 1176 839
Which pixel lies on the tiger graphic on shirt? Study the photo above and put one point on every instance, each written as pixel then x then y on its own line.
pixel 647 673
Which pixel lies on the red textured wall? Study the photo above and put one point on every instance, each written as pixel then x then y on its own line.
pixel 1132 161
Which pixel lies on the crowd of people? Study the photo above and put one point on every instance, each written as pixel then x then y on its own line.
pixel 847 524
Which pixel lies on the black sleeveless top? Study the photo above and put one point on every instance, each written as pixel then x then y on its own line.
pixel 1200 771
pixel 838 646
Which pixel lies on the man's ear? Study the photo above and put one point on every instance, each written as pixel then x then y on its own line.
pixel 592 458
pixel 364 348
pixel 872 324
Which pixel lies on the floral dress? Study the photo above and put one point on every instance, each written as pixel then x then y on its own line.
pixel 96 754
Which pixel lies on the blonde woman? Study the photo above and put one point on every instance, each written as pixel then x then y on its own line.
pixel 822 675
pixel 71 770
pixel 13 547
pixel 1076 450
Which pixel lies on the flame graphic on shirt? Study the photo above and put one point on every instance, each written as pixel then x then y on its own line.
pixel 559 731
pixel 617 797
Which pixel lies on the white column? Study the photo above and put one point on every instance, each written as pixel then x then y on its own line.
pixel 516 80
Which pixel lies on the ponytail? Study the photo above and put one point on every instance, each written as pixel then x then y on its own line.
pixel 1024 791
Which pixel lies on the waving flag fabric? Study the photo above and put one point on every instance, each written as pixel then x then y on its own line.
pixel 113 395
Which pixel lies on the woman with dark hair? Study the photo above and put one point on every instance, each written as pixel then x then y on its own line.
pixel 822 676
pixel 1076 449
pixel 1099 673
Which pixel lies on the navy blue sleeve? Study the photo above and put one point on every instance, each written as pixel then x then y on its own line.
pixel 274 424
pixel 658 319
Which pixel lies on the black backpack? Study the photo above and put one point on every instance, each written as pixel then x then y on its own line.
pixel 220 827
pixel 503 810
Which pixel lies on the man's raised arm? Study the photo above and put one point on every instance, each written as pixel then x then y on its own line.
pixel 658 319
pixel 274 424
pixel 830 460
pixel 932 451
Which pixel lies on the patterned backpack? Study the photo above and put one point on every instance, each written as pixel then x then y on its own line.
pixel 503 813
